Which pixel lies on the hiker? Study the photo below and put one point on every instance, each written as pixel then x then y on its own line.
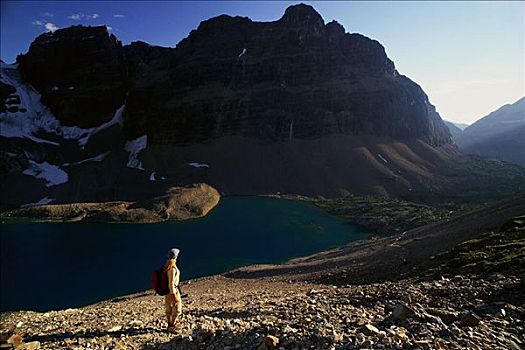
pixel 172 300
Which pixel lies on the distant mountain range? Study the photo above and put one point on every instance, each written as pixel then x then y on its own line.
pixel 499 135
pixel 296 105
pixel 461 126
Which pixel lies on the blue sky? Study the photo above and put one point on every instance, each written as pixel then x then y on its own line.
pixel 467 56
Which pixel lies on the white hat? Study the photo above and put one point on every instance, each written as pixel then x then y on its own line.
pixel 173 253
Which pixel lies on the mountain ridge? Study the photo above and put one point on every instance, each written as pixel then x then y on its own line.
pixel 500 134
pixel 289 106
pixel 301 33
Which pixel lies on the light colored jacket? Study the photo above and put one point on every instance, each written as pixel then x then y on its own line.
pixel 173 277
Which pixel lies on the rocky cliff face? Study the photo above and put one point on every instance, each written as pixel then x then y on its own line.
pixel 293 78
pixel 80 72
pixel 295 106
pixel 455 131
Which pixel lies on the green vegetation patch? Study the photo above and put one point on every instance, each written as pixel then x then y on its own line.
pixel 386 216
pixel 491 252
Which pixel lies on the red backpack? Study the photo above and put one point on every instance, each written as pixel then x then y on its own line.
pixel 159 281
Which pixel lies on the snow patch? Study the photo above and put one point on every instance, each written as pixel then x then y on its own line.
pixel 152 177
pixel 37 117
pixel 43 201
pixel 134 147
pixel 83 135
pixel 52 174
pixel 382 158
pixel 98 158
pixel 199 165
pixel 242 53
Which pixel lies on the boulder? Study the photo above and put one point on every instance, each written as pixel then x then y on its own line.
pixel 369 329
pixel 401 312
pixel 445 315
pixel 271 341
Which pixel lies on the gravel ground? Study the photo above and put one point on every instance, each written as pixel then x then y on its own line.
pixel 462 312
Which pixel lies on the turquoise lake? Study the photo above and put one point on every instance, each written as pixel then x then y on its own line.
pixel 48 266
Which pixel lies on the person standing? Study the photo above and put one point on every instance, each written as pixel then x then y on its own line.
pixel 172 301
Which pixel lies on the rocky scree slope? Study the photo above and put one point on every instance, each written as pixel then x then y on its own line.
pixel 296 105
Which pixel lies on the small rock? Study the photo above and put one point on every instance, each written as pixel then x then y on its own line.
pixel 136 323
pixel 470 319
pixel 512 345
pixel 447 316
pixel 447 333
pixel 262 347
pixel 336 337
pixel 368 329
pixel 34 345
pixel 401 312
pixel 289 329
pixel 120 346
pixel 496 277
pixel 271 340
pixel 115 329
pixel 15 339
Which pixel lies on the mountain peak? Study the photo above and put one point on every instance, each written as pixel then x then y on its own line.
pixel 301 14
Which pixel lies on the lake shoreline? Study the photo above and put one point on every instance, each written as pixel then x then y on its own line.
pixel 339 297
pixel 265 231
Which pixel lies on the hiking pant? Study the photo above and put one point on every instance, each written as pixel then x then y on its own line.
pixel 173 307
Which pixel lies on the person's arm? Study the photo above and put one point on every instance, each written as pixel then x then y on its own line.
pixel 173 280
pixel 176 277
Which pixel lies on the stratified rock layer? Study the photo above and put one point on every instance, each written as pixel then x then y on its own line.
pixel 293 78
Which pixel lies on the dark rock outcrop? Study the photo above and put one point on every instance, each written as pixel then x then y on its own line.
pixel 5 97
pixel 81 73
